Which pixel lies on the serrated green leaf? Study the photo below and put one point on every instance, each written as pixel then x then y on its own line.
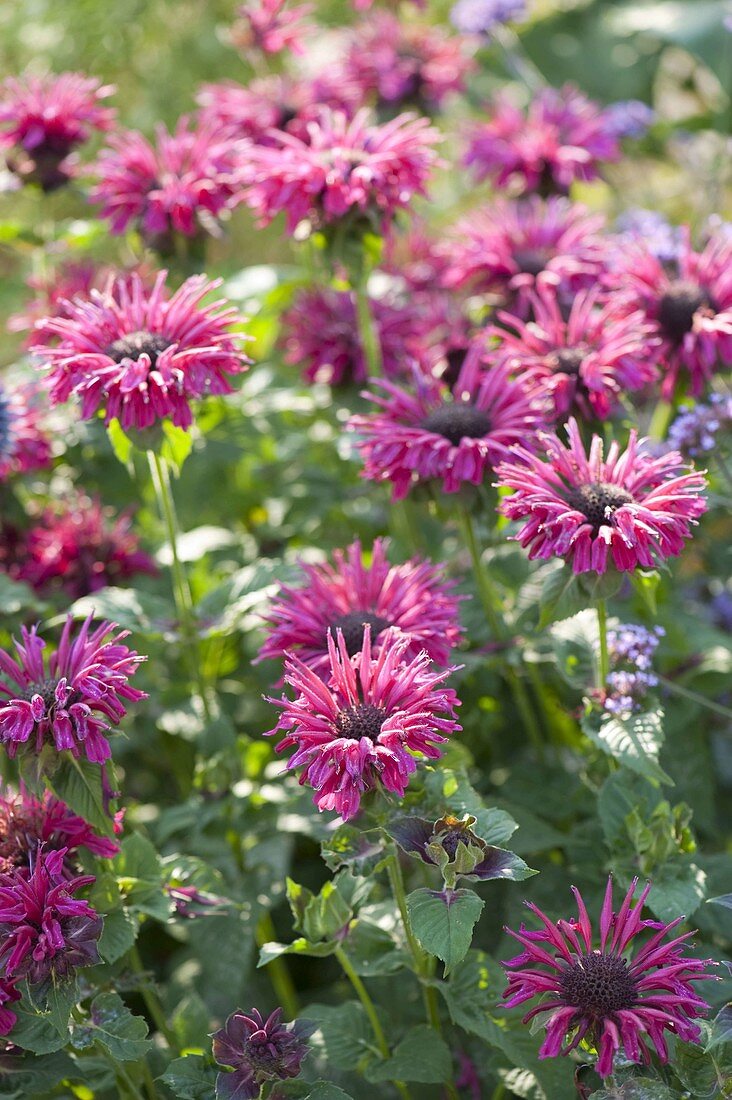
pixel 560 597
pixel 300 946
pixel 112 1025
pixel 443 922
pixel 634 741
pixel 78 783
pixel 190 1078
pixel 118 935
pixel 421 1056
pixel 343 1034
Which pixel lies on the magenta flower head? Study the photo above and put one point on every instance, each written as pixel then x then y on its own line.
pixel 368 723
pixel 44 930
pixel 512 247
pixel 587 360
pixel 562 137
pixel 140 356
pixel 344 168
pixel 620 996
pixel 27 822
pixel 24 444
pixel 81 547
pixel 348 594
pixel 44 119
pixel 183 183
pixel 74 698
pixel 8 994
pixel 271 26
pixel 687 302
pixel 626 510
pixel 440 435
pixel 258 1051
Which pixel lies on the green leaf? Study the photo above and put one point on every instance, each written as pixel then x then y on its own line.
pixel 301 946
pixel 678 887
pixel 78 783
pixel 560 597
pixel 637 1088
pixel 443 922
pixel 326 914
pixel 701 1070
pixel 422 1056
pixel 190 1078
pixel 140 612
pixel 140 877
pixel 118 935
pixel 634 741
pixel 325 1091
pixel 352 847
pixel 721 1028
pixel 32 1076
pixel 343 1034
pixel 176 446
pixel 646 582
pixel 372 950
pixel 112 1025
pixel 43 1022
pixel 15 596
pixel 621 794
pixel 121 444
pixel 573 642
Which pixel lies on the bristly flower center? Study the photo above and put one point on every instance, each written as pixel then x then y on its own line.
pixel 45 688
pixel 599 985
pixel 598 501
pixel 569 360
pixel 352 625
pixel 531 261
pixel 6 428
pixel 133 344
pixel 458 421
pixel 363 720
pixel 678 306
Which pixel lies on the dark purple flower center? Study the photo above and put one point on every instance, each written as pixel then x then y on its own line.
pixel 531 261
pixel 599 985
pixel 352 625
pixel 569 361
pixel 598 499
pixel 363 720
pixel 6 426
pixel 45 688
pixel 133 344
pixel 678 306
pixel 458 421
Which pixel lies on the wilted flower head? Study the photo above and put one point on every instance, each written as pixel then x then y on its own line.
pixel 71 700
pixel 24 444
pixel 183 183
pixel 45 118
pixel 27 822
pixel 258 1051
pixel 613 997
pixel 344 167
pixel 44 929
pixel 271 26
pixel 563 136
pixel 631 649
pixel 696 429
pixel 438 434
pixel 626 510
pixel 483 16
pixel 139 355
pixel 414 597
pixel 368 723
pixel 452 845
pixel 81 547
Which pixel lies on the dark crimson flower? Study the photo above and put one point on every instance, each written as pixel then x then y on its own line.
pixel 415 597
pixel 258 1051
pixel 45 118
pixel 8 994
pixel 586 360
pixel 620 996
pixel 562 137
pixel 74 698
pixel 81 547
pixel 346 166
pixel 628 510
pixel 27 822
pixel 687 303
pixel 368 724
pixel 438 434
pixel 44 930
pixel 24 444
pixel 510 248
pixel 271 26
pixel 183 183
pixel 139 355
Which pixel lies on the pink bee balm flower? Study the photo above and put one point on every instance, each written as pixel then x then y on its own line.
pixel 434 434
pixel 140 356
pixel 74 698
pixel 414 597
pixel 562 137
pixel 271 26
pixel 8 994
pixel 368 723
pixel 183 183
pixel 587 360
pixel 44 930
pixel 510 248
pixel 24 444
pixel 344 167
pixel 628 510
pixel 45 118
pixel 27 822
pixel 687 302
pixel 621 996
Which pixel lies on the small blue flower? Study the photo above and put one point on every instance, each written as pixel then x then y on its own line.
pixel 482 16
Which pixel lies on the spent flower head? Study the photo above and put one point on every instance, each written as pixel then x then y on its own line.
pixel 257 1051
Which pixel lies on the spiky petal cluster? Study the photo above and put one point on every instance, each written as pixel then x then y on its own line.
pixel 621 996
pixel 74 698
pixel 139 355
pixel 563 136
pixel 688 304
pixel 258 1051
pixel 509 248
pixel 343 167
pixel 24 444
pixel 368 723
pixel 271 26
pixel 27 822
pixel 415 597
pixel 44 930
pixel 585 360
pixel 626 510
pixel 182 183
pixel 45 118
pixel 435 434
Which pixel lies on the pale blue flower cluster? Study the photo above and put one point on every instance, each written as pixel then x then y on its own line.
pixel 695 429
pixel 482 16
pixel 631 649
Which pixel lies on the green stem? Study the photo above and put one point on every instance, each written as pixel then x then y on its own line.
pixel 603 664
pixel 370 1009
pixel 121 1074
pixel 151 999
pixel 277 970
pixel 660 419
pixel 695 697
pixel 518 64
pixel 367 331
pixel 723 468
